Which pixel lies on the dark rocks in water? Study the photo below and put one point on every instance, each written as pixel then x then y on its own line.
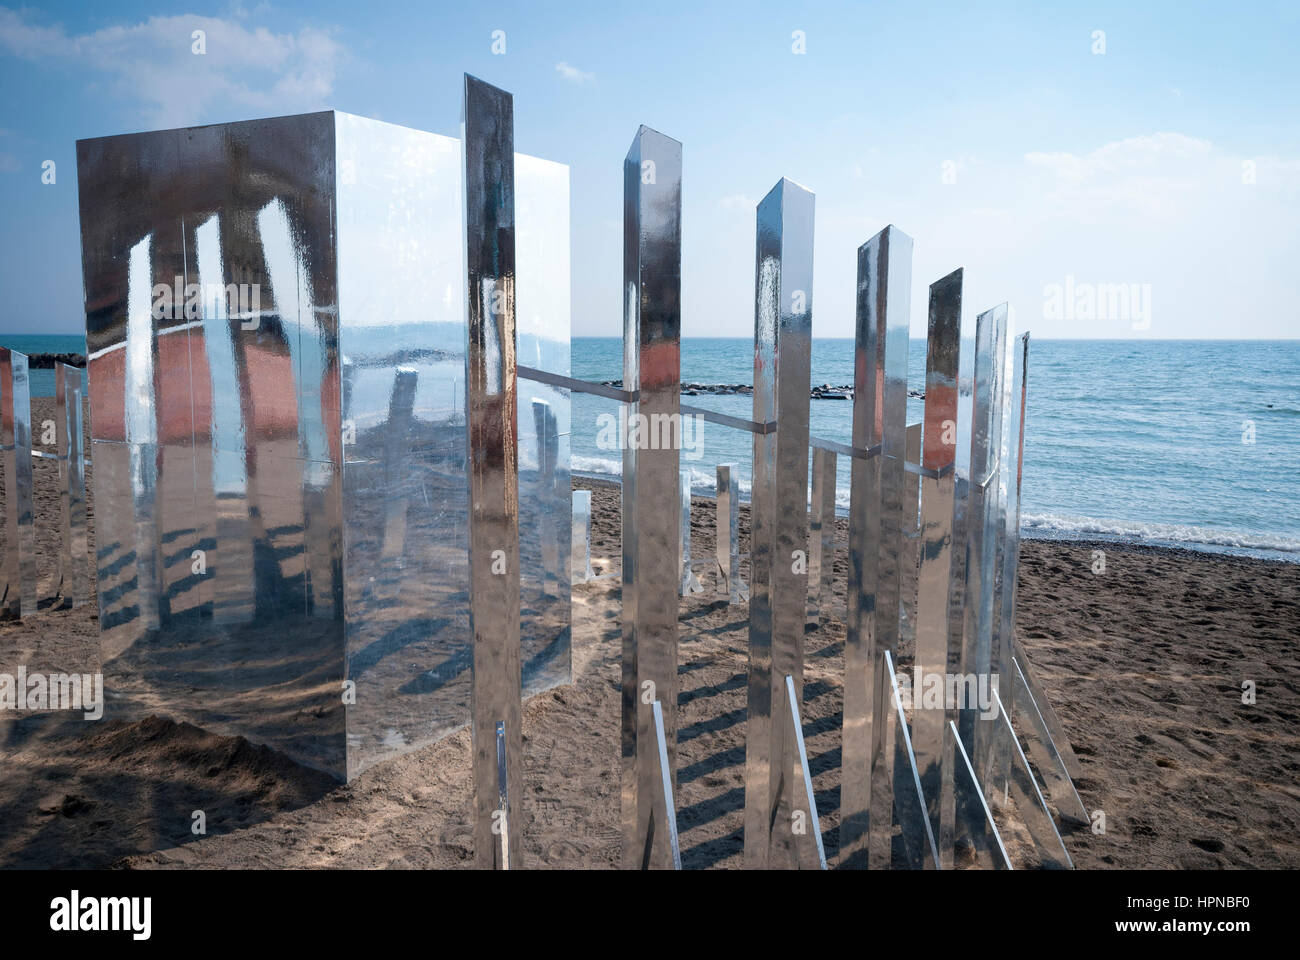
pixel 46 361
pixel 825 392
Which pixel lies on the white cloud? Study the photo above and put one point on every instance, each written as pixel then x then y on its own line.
pixel 151 62
pixel 574 74
pixel 736 201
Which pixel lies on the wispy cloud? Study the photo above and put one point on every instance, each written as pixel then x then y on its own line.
pixel 152 62
pixel 573 74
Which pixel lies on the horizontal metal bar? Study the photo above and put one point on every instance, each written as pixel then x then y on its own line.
pixel 739 423
pixel 580 386
pixel 858 453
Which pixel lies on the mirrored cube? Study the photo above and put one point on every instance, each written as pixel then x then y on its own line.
pixel 276 328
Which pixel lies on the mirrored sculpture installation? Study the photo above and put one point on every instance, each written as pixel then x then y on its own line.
pixel 323 526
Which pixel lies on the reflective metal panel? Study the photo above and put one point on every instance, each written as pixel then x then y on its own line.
pixel 919 851
pixel 911 549
pixel 652 259
pixel 807 824
pixel 876 540
pixel 821 533
pixel 690 584
pixel 580 556
pixel 727 541
pixel 18 569
pixel 935 654
pixel 280 453
pixel 1022 790
pixel 778 514
pixel 986 847
pixel 994 757
pixel 984 526
pixel 491 418
pixel 70 430
pixel 1043 751
pixel 665 813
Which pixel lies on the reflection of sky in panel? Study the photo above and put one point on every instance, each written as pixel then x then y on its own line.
pixel 294 302
pixel 140 425
pixel 228 473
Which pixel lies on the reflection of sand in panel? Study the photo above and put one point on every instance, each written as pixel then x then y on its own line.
pixel 277 682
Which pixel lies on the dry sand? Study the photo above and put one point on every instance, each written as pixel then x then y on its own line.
pixel 1144 664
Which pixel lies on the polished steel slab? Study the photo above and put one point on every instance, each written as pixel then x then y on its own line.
pixel 69 423
pixel 690 584
pixel 991 756
pixel 985 842
pixel 812 852
pixel 665 813
pixel 18 566
pixel 936 654
pixel 917 849
pixel 280 472
pixel 876 541
pixel 727 540
pixel 821 533
pixel 984 521
pixel 652 259
pixel 1043 751
pixel 580 553
pixel 1020 789
pixel 911 549
pixel 783 310
pixel 492 421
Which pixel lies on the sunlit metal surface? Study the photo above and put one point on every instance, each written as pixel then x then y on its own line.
pixel 70 433
pixel 821 533
pixel 991 757
pixel 580 553
pixel 690 584
pixel 280 459
pixel 1022 789
pixel 652 261
pixel 981 832
pixel 727 540
pixel 1043 751
pixel 911 548
pixel 984 524
pixel 812 852
pixel 18 567
pixel 935 652
pixel 665 814
pixel 783 310
pixel 919 851
pixel 876 542
pixel 491 417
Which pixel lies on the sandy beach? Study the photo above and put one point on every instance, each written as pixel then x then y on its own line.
pixel 1144 665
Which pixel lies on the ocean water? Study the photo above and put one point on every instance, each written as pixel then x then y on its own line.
pixel 1129 440
pixel 42 381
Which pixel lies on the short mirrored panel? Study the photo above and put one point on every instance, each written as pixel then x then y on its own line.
pixel 18 561
pixel 69 422
pixel 821 533
pixel 727 539
pixel 979 844
pixel 690 583
pixel 580 551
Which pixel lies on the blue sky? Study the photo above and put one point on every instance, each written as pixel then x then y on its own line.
pixel 994 134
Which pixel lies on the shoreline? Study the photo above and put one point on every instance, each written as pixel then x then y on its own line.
pixel 1092 539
